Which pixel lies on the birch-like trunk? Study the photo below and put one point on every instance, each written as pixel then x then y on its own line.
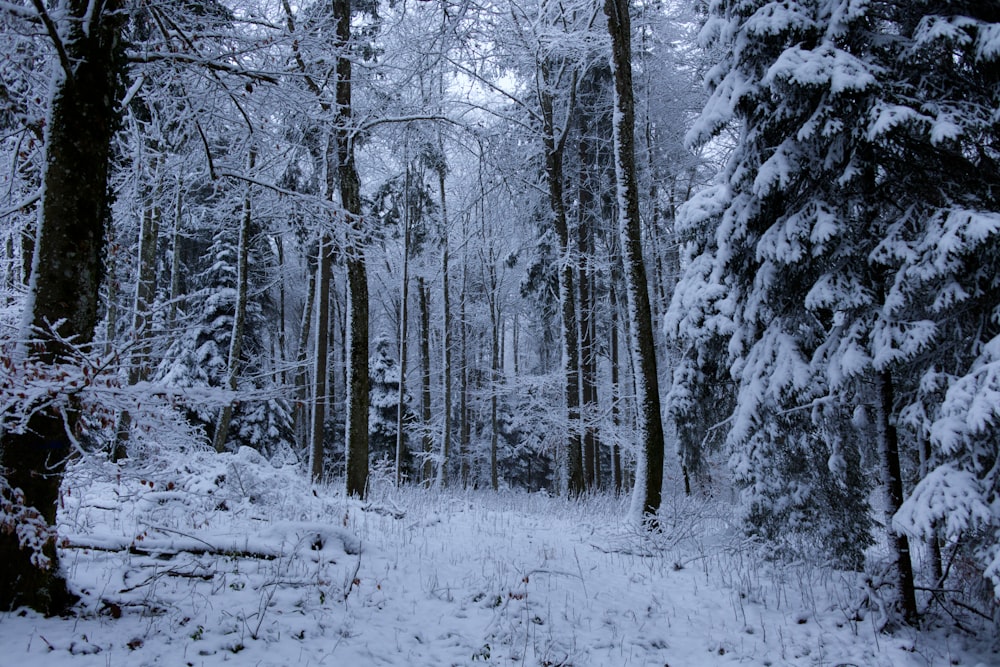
pixel 142 309
pixel 321 357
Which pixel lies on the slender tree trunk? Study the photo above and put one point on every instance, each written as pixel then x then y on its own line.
pixel 66 277
pixel 649 471
pixel 447 371
pixel 427 442
pixel 892 481
pixel 465 424
pixel 111 286
pixel 140 359
pixel 554 147
pixel 145 288
pixel 494 378
pixel 301 414
pixel 588 357
pixel 240 317
pixel 321 359
pixel 282 355
pixel 175 256
pixel 403 333
pixel 616 456
pixel 933 544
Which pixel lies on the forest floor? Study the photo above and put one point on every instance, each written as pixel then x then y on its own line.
pixel 204 559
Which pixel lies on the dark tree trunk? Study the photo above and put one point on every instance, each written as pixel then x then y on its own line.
pixel 585 280
pixel 67 275
pixel 554 147
pixel 404 319
pixel 357 272
pixel 464 418
pixel 892 481
pixel 427 442
pixel 446 372
pixel 649 476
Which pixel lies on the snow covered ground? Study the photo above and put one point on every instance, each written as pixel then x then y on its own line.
pixel 415 577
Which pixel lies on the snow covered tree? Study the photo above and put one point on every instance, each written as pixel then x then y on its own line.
pixel 839 255
pixel 384 408
pixel 65 283
pixel 649 473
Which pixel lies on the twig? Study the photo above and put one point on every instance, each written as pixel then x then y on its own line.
pixel 353 578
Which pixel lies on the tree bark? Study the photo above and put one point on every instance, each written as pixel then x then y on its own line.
pixel 892 482
pixel 358 398
pixel 321 357
pixel 649 471
pixel 66 276
pixel 403 332
pixel 427 442
pixel 447 371
pixel 588 356
pixel 554 147
pixel 465 424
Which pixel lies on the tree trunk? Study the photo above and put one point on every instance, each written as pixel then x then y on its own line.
pixel 357 272
pixel 142 311
pixel 427 442
pixel 66 276
pixel 588 357
pixel 301 413
pixel 892 482
pixel 571 350
pixel 616 456
pixel 447 371
pixel 494 375
pixel 649 469
pixel 282 352
pixel 175 257
pixel 321 357
pixel 465 424
pixel 403 332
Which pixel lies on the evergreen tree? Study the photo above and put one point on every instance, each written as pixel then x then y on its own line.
pixel 840 250
pixel 384 406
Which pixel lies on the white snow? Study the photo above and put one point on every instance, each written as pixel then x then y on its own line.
pixel 417 577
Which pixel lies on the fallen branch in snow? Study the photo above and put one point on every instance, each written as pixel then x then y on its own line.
pixel 393 512
pixel 163 548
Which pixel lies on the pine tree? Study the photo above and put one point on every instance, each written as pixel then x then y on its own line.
pixel 384 406
pixel 839 245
